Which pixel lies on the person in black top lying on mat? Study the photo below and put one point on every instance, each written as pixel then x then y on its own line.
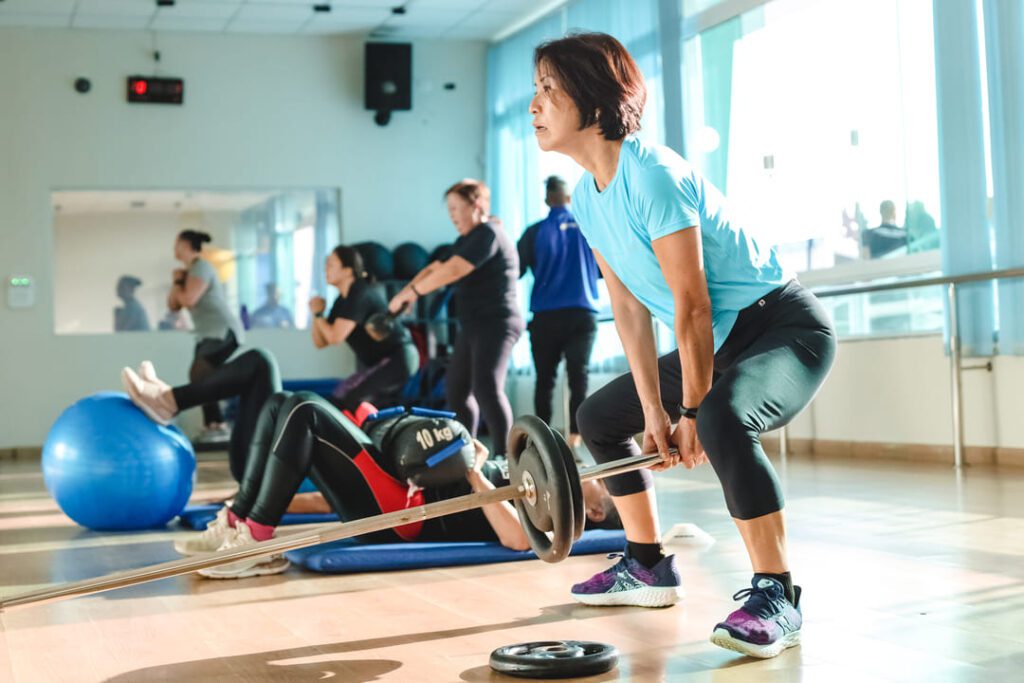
pixel 359 473
pixel 385 363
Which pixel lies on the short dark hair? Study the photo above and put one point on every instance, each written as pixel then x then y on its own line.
pixel 600 76
pixel 555 183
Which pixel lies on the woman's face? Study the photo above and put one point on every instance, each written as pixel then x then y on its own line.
pixel 464 215
pixel 334 272
pixel 555 116
pixel 183 251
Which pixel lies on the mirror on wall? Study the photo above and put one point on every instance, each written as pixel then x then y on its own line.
pixel 114 255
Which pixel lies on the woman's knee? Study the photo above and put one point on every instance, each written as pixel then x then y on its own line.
pixel 597 420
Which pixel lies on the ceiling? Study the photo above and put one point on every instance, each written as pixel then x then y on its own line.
pixel 423 19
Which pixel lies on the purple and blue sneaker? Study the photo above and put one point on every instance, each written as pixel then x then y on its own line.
pixel 628 582
pixel 766 624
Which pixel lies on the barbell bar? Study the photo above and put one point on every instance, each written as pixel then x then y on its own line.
pixel 529 487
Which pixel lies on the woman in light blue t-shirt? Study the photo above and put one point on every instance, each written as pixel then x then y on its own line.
pixel 753 345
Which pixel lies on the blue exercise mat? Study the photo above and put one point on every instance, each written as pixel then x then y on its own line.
pixel 198 516
pixel 349 556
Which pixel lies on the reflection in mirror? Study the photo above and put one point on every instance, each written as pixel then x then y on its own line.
pixel 115 260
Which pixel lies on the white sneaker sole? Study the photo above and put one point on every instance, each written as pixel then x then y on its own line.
pixel 722 638
pixel 129 388
pixel 638 597
pixel 275 566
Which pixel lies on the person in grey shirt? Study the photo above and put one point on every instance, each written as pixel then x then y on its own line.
pixel 131 317
pixel 217 329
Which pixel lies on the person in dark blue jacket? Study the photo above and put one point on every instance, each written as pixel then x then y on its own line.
pixel 563 302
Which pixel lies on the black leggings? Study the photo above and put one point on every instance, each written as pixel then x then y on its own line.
pixel 475 381
pixel 568 332
pixel 210 354
pixel 380 384
pixel 253 377
pixel 777 356
pixel 300 435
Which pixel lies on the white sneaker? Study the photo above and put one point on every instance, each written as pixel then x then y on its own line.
pixel 148 373
pixel 213 435
pixel 148 396
pixel 211 538
pixel 257 566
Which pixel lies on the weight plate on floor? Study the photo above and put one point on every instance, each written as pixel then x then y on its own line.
pixel 555 659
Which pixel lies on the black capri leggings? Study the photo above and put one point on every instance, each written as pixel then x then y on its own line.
pixel 210 354
pixel 253 377
pixel 776 358
pixel 475 381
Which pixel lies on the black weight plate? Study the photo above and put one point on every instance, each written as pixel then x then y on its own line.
pixel 573 470
pixel 532 449
pixel 555 659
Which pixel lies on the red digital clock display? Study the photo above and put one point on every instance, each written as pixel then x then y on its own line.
pixel 156 90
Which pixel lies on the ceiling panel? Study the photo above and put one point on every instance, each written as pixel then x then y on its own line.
pixel 427 19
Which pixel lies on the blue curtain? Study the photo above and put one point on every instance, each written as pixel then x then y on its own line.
pixel 1004 49
pixel 965 234
pixel 512 154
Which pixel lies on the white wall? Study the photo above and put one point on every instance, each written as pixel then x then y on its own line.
pixel 260 112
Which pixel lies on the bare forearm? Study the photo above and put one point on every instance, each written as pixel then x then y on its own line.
pixel 316 330
pixel 501 516
pixel 441 276
pixel 636 332
pixel 696 351
pixel 431 267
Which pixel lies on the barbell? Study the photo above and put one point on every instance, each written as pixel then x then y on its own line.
pixel 544 484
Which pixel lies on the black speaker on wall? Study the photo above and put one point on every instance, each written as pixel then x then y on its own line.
pixel 388 79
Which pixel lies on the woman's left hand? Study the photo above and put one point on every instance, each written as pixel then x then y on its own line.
pixel 688 443
pixel 405 298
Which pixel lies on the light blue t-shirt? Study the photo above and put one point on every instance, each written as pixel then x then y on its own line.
pixel 655 192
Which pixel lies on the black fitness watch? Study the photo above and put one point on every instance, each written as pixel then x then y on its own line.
pixel 688 413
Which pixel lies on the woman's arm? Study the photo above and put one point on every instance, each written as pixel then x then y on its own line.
pixel 334 333
pixel 435 276
pixel 502 516
pixel 682 263
pixel 636 331
pixel 191 292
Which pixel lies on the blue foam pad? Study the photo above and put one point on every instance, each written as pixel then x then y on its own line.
pixel 198 516
pixel 322 386
pixel 349 556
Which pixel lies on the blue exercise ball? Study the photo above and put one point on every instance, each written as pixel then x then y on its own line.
pixel 111 468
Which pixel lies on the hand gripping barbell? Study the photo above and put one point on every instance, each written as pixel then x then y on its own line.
pixel 543 481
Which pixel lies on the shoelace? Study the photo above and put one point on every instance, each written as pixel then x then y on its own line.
pixel 759 602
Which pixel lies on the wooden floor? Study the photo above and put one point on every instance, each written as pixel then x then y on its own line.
pixel 910 574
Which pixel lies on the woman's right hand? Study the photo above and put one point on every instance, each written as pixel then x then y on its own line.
pixel 317 305
pixel 480 456
pixel 658 437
